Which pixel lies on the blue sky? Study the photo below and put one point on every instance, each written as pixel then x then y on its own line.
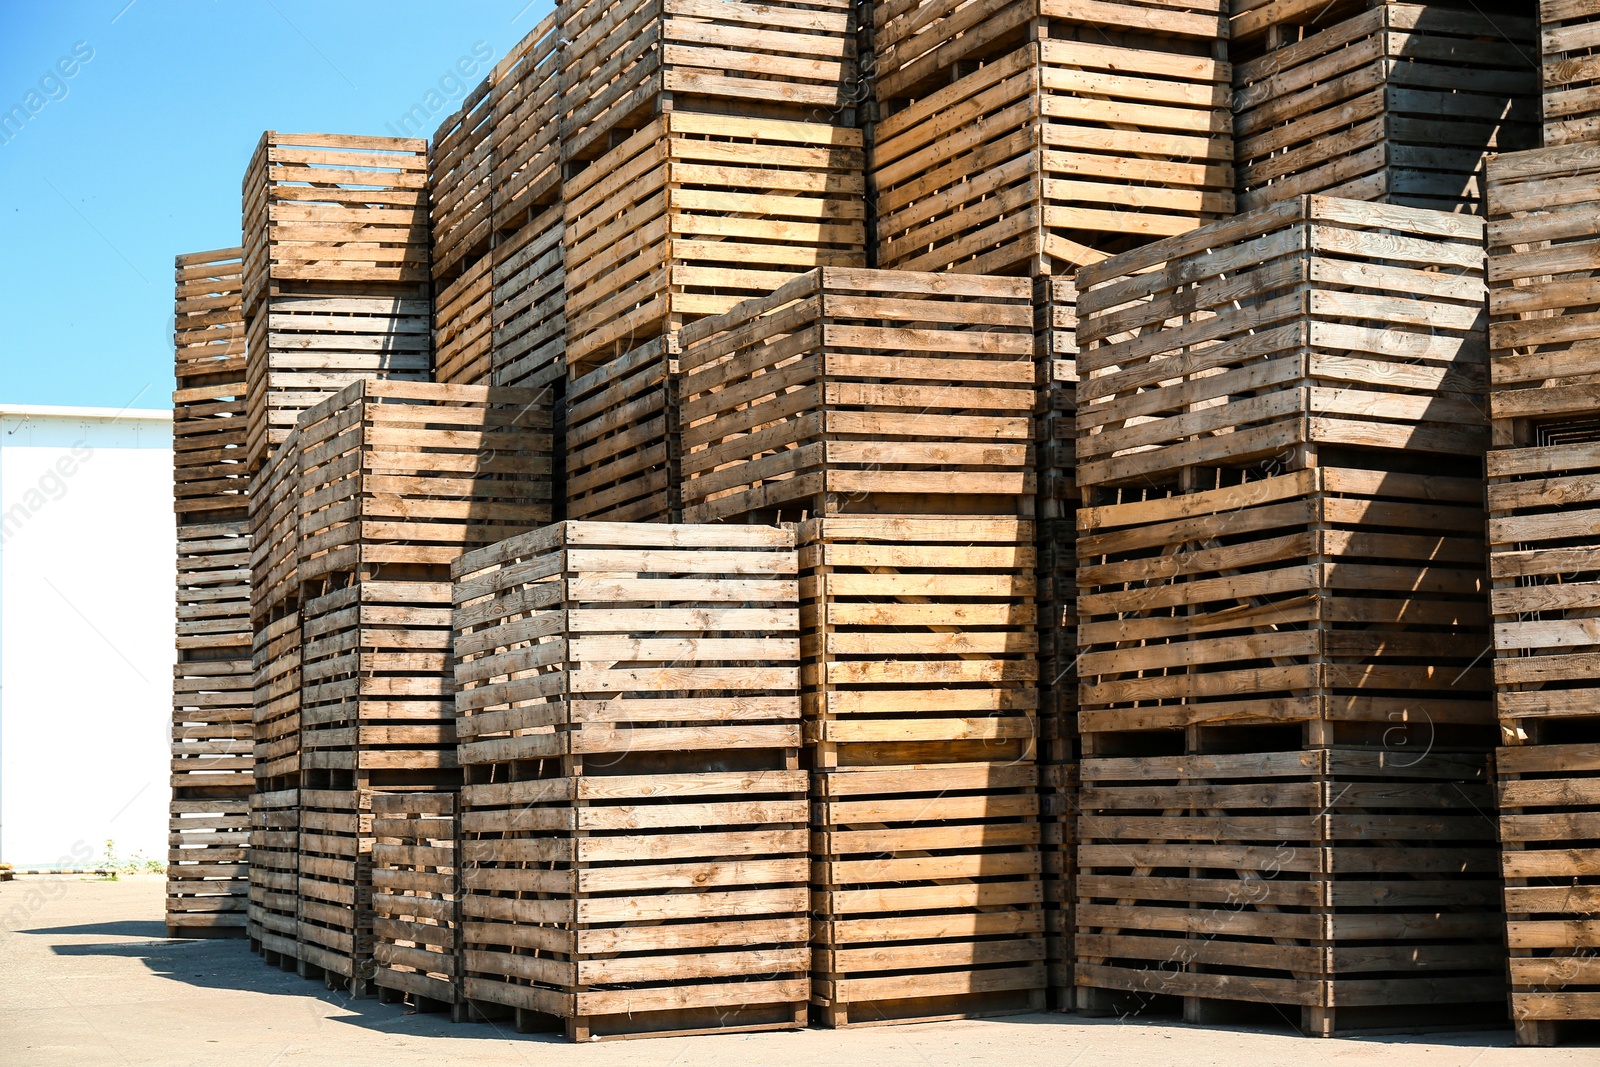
pixel 139 153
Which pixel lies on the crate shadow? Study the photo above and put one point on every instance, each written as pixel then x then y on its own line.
pixel 228 963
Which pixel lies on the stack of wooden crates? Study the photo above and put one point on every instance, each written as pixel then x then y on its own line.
pixel 629 167
pixel 207 879
pixel 335 289
pixel 494 171
pixel 394 481
pixel 1280 421
pixel 711 154
pixel 1544 555
pixel 1030 139
pixel 336 272
pixel 822 746
pixel 891 412
pixel 634 819
pixel 1284 705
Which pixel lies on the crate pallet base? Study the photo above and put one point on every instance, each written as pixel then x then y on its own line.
pixel 1357 886
pixel 971 1002
pixel 489 1000
pixel 1544 1033
pixel 226 926
pixel 1212 1006
pixel 422 997
pixel 1549 798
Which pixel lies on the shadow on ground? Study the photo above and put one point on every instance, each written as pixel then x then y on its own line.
pixel 228 963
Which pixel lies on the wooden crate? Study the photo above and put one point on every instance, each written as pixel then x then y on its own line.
pixel 276 686
pixel 927 892
pixel 416 899
pixel 1341 602
pixel 412 474
pixel 634 818
pixel 523 586
pixel 1053 157
pixel 211 680
pixel 621 437
pixel 463 325
pixel 275 532
pixel 852 390
pixel 208 875
pixel 336 272
pixel 921 709
pixel 920 643
pixel 334 889
pixel 1570 44
pixel 275 618
pixel 1543 233
pixel 1543 228
pixel 1358 885
pixel 460 177
pixel 1311 326
pixel 1400 104
pixel 918 45
pixel 525 138
pixel 210 477
pixel 304 349
pixel 376 691
pixel 556 927
pixel 212 758
pixel 624 62
pixel 1257 26
pixel 1544 560
pixel 331 208
pixel 528 312
pixel 274 873
pixel 694 213
pixel 1549 797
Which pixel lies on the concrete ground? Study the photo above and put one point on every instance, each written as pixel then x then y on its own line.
pixel 88 977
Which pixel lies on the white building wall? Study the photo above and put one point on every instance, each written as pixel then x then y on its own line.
pixel 86 633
